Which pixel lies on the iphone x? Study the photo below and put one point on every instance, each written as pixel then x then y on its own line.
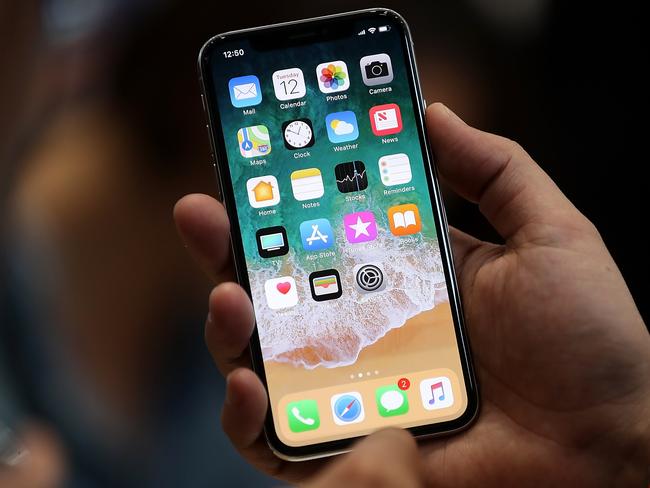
pixel 338 230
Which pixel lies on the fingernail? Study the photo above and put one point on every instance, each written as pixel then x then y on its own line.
pixel 12 451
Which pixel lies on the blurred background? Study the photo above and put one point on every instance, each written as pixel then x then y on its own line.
pixel 101 131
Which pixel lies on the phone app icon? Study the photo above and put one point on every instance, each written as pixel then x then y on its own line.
pixel 332 76
pixel 342 126
pixel 391 401
pixel 376 69
pixel 272 241
pixel 325 285
pixel 360 227
pixel 347 408
pixel 351 176
pixel 254 141
pixel 298 134
pixel 369 278
pixel 395 169
pixel 263 191
pixel 386 119
pixel 316 234
pixel 289 84
pixel 307 184
pixel 436 393
pixel 404 219
pixel 245 91
pixel 281 293
pixel 303 415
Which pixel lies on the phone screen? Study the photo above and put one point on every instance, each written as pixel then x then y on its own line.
pixel 326 175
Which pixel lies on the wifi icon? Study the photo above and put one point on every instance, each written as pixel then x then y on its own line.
pixel 372 30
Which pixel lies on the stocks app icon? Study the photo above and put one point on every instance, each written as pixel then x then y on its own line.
pixel 351 176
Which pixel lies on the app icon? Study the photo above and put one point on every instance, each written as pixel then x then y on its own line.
pixel 386 119
pixel 332 77
pixel 281 292
pixel 391 401
pixel 347 408
pixel 289 84
pixel 376 69
pixel 307 184
pixel 245 91
pixel 263 191
pixel 303 415
pixel 360 227
pixel 395 169
pixel 369 278
pixel 404 219
pixel 254 141
pixel 342 126
pixel 316 234
pixel 436 393
pixel 351 176
pixel 272 242
pixel 298 134
pixel 325 285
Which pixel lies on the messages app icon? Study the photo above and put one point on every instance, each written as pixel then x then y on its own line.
pixel 391 401
pixel 245 91
pixel 342 126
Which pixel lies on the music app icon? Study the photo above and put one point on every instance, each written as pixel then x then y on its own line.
pixel 436 393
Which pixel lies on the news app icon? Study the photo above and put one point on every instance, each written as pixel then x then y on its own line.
pixel 386 119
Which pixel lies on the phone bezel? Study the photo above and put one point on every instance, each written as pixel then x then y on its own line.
pixel 301 31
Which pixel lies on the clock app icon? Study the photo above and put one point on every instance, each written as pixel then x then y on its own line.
pixel 298 134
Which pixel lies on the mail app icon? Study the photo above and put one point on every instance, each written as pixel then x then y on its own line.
pixel 245 91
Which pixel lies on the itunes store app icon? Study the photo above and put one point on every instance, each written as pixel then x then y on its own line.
pixel 281 292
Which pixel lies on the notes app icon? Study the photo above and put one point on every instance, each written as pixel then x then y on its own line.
pixel 436 393
pixel 307 184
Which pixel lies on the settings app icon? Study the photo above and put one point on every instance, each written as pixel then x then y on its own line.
pixel 369 278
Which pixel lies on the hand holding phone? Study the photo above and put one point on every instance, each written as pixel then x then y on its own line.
pixel 564 366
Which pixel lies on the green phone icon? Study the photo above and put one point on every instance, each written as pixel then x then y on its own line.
pixel 303 415
pixel 391 401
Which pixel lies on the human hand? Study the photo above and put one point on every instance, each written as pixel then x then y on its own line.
pixel 33 460
pixel 561 352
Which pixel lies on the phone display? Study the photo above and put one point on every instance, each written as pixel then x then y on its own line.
pixel 318 131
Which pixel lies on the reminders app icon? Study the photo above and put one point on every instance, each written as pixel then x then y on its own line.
pixel 245 91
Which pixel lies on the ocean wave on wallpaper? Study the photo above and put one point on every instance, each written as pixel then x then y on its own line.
pixel 333 333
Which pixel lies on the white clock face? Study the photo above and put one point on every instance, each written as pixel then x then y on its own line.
pixel 298 134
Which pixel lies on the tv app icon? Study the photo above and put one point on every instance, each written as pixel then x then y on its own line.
pixel 351 176
pixel 272 242
pixel 325 285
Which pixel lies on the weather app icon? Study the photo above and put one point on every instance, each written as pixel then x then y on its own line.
pixel 342 127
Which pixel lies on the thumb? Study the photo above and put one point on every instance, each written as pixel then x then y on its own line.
pixel 516 196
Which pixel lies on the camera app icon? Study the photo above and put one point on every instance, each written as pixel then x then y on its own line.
pixel 376 69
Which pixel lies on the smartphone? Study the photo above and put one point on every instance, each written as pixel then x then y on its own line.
pixel 338 230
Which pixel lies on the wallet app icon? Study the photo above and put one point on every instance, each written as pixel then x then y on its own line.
pixel 245 91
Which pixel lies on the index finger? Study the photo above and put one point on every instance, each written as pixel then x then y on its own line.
pixel 518 198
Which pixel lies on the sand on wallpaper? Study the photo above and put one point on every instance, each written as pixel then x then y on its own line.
pixel 429 338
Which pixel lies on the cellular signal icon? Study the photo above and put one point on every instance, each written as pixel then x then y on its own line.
pixel 362 32
pixel 372 30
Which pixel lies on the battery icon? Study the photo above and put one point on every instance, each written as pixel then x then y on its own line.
pixel 384 28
